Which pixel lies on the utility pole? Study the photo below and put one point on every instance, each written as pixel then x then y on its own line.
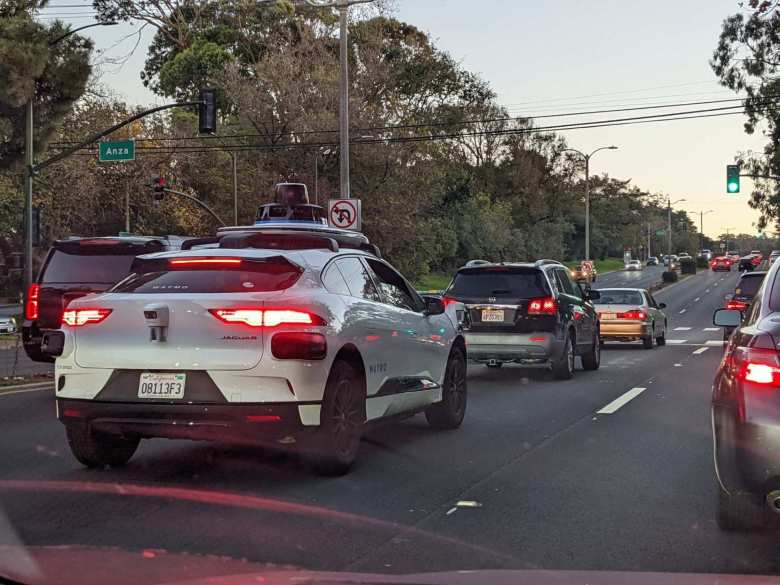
pixel 669 223
pixel 586 157
pixel 235 188
pixel 127 205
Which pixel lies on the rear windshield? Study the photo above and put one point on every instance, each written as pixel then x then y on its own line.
pixel 619 297
pixel 499 282
pixel 749 285
pixel 156 277
pixel 67 268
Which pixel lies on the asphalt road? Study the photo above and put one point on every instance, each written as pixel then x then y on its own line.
pixel 543 479
pixel 644 278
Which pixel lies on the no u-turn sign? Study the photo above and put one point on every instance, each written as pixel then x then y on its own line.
pixel 344 213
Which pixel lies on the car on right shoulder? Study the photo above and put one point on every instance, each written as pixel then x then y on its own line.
pixel 745 410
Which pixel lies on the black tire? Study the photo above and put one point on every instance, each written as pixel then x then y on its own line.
pixel 592 360
pixel 563 369
pixel 647 342
pixel 662 339
pixel 97 450
pixel 740 512
pixel 449 413
pixel 342 419
pixel 496 366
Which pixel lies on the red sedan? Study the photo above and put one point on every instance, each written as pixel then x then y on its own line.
pixel 721 263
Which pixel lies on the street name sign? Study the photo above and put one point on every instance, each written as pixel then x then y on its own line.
pixel 116 150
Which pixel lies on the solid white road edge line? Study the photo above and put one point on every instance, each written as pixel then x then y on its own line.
pixel 9 393
pixel 621 401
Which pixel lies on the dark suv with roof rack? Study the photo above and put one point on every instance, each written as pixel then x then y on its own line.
pixel 531 314
pixel 76 267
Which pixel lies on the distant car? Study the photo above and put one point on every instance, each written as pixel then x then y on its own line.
pixel 585 271
pixel 733 255
pixel 682 255
pixel 629 314
pixel 749 262
pixel 633 265
pixel 652 261
pixel 721 263
pixel 747 287
pixel 531 314
pixel 7 325
pixel 666 259
pixel 706 254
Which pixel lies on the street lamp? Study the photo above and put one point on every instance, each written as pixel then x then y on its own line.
pixel 701 226
pixel 29 156
pixel 343 7
pixel 325 152
pixel 587 191
pixel 669 224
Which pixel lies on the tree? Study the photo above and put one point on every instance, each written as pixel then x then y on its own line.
pixel 747 59
pixel 55 77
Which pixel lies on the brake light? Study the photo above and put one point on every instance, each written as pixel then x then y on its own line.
pixel 759 366
pixel 543 306
pixel 737 305
pixel 267 318
pixel 31 308
pixel 80 317
pixel 447 301
pixel 205 261
pixel 635 314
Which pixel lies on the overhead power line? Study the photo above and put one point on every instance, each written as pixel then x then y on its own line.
pixel 479 121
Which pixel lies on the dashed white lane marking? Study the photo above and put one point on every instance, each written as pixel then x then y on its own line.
pixel 682 311
pixel 700 350
pixel 621 401
pixel 715 342
pixel 675 341
pixel 678 365
pixel 711 329
pixel 697 299
pixel 706 291
pixel 683 328
pixel 716 284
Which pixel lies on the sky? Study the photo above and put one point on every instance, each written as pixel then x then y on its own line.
pixel 543 57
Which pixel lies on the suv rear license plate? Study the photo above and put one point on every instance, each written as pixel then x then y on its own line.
pixel 608 316
pixel 165 386
pixel 492 315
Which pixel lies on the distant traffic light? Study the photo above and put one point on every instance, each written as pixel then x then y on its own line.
pixel 159 185
pixel 207 112
pixel 732 178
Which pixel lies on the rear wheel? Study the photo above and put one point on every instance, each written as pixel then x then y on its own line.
pixel 96 450
pixel 449 413
pixel 592 359
pixel 342 419
pixel 661 340
pixel 647 341
pixel 563 369
pixel 740 511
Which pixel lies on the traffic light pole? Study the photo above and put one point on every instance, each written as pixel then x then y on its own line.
pixel 29 173
pixel 195 200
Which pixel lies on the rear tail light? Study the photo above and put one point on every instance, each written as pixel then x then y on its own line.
pixel 759 366
pixel 80 317
pixel 267 317
pixel 543 306
pixel 447 301
pixel 635 314
pixel 737 305
pixel 31 308
pixel 299 345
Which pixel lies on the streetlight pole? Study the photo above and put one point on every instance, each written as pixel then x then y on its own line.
pixel 587 191
pixel 235 188
pixel 29 164
pixel 669 224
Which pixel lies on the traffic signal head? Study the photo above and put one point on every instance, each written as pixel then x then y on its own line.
pixel 158 185
pixel 207 111
pixel 732 178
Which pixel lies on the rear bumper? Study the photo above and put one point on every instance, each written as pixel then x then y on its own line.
pixel 31 340
pixel 271 423
pixel 608 329
pixel 717 268
pixel 747 455
pixel 531 349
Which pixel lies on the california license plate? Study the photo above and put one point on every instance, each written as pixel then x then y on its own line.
pixel 492 316
pixel 161 386
pixel 608 316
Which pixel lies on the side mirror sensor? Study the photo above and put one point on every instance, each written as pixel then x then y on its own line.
pixel 661 305
pixel 433 305
pixel 727 318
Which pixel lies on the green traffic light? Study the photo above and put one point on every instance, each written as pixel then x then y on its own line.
pixel 732 178
pixel 733 187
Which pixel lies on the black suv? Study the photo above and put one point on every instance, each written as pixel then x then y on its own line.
pixel 532 314
pixel 76 267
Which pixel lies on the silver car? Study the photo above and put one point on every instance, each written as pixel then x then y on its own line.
pixel 7 325
pixel 631 314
